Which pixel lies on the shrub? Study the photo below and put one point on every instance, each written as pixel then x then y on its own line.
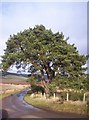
pixel 35 88
pixel 75 96
pixel 32 80
pixel 52 88
pixel 29 92
pixel 61 95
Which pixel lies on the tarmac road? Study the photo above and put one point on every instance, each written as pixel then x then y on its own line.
pixel 15 107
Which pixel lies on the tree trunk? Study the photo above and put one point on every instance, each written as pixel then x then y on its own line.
pixel 43 82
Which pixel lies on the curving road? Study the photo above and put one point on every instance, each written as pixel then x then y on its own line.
pixel 15 107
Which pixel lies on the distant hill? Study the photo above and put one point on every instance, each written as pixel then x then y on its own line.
pixel 14 79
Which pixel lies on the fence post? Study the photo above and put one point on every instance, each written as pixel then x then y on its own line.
pixel 84 97
pixel 67 97
pixel 44 95
pixel 54 95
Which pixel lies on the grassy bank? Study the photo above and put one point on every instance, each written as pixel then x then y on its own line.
pixel 2 96
pixel 74 107
pixel 12 83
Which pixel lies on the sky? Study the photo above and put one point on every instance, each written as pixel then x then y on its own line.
pixel 67 17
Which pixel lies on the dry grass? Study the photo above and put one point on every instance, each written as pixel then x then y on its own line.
pixel 2 96
pixel 69 106
pixel 11 84
pixel 8 89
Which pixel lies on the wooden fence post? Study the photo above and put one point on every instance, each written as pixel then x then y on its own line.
pixel 67 98
pixel 84 97
pixel 44 95
pixel 54 95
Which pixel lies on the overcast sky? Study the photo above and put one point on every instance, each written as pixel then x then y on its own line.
pixel 67 17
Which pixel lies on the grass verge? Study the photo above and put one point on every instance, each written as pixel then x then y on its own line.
pixel 2 96
pixel 56 106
